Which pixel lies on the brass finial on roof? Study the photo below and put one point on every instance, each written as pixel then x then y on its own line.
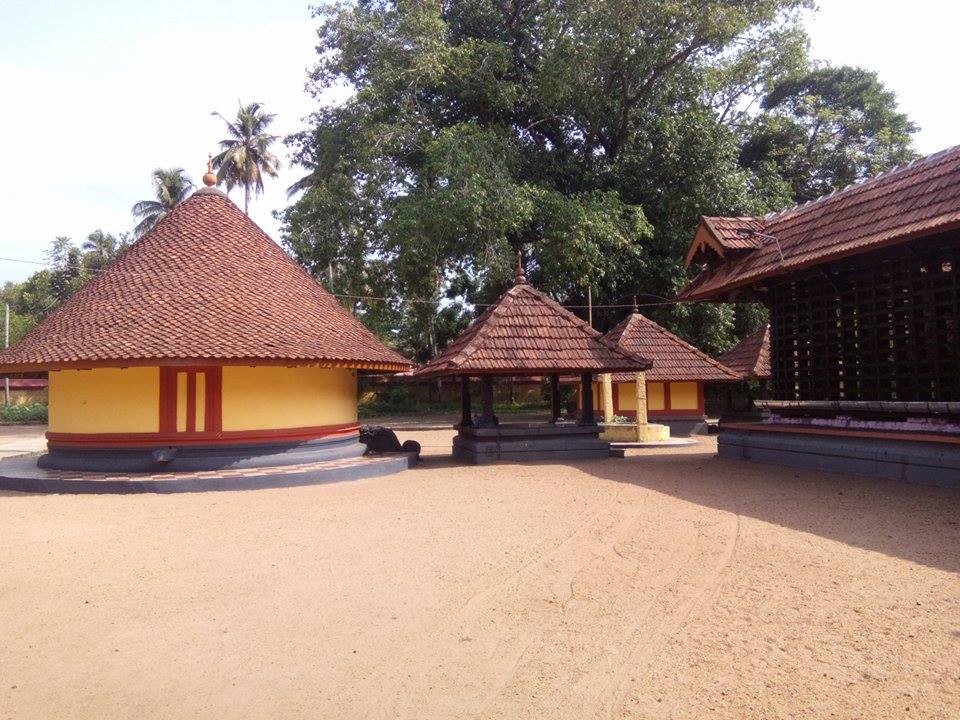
pixel 521 278
pixel 635 309
pixel 210 177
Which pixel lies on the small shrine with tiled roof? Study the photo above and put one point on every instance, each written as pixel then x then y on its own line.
pixel 204 343
pixel 750 358
pixel 525 332
pixel 675 383
pixel 863 290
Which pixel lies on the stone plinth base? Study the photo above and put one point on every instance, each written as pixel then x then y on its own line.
pixel 623 433
pixel 22 474
pixel 193 458
pixel 540 442
pixel 918 458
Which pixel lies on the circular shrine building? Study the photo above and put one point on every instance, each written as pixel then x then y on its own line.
pixel 202 346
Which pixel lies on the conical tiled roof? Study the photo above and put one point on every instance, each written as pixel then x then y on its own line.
pixel 205 284
pixel 525 332
pixel 673 358
pixel 750 358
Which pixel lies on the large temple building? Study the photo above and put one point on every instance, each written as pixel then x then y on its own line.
pixel 864 298
pixel 203 345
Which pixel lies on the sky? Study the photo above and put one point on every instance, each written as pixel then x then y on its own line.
pixel 98 93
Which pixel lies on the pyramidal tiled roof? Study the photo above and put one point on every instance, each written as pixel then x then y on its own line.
pixel 751 356
pixel 205 284
pixel 673 358
pixel 526 332
pixel 911 201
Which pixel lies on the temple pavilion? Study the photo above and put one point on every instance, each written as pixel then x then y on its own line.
pixel 674 385
pixel 864 298
pixel 202 346
pixel 527 333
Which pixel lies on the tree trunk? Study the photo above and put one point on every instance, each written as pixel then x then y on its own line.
pixel 246 200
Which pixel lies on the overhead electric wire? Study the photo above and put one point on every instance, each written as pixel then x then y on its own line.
pixel 665 303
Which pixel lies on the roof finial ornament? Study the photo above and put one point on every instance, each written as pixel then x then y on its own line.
pixel 635 310
pixel 521 278
pixel 210 177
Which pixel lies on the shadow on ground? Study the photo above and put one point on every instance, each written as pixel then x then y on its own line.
pixel 913 522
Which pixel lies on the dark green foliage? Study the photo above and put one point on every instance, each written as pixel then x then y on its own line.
pixel 30 413
pixel 587 136
pixel 70 268
pixel 828 127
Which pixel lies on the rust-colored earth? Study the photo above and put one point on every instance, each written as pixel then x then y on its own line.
pixel 667 585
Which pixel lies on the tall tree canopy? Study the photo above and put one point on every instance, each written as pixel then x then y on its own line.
pixel 588 136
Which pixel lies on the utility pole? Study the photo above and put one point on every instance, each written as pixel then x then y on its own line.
pixel 590 305
pixel 6 344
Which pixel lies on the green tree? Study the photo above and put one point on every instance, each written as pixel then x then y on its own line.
pixel 100 249
pixel 171 186
pixel 245 156
pixel 588 136
pixel 828 127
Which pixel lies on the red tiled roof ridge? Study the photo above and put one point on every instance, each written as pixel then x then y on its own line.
pixel 919 197
pixel 205 283
pixel 621 333
pixel 865 183
pixel 526 343
pixel 750 357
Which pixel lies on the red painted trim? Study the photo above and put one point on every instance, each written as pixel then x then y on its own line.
pixel 842 432
pixel 168 400
pixel 213 413
pixel 192 362
pixel 191 401
pixel 232 437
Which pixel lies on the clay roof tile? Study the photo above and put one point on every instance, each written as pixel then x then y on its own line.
pixel 205 283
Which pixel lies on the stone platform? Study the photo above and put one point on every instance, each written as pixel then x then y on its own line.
pixel 23 475
pixel 529 441
pixel 922 458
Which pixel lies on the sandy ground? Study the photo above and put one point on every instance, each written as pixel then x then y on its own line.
pixel 666 585
pixel 20 439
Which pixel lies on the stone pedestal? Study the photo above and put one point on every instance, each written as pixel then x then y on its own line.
pixel 623 433
pixel 522 441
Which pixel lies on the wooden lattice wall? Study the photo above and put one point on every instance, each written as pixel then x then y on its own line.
pixel 879 326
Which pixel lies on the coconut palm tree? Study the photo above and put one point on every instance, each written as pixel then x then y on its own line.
pixel 172 187
pixel 245 155
pixel 99 249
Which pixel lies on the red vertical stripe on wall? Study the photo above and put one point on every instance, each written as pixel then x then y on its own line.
pixel 191 401
pixel 214 408
pixel 168 400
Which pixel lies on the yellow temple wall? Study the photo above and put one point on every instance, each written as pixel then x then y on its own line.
pixel 105 400
pixel 684 396
pixel 656 397
pixel 276 397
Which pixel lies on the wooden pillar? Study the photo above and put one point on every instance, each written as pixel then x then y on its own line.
pixel 487 416
pixel 586 392
pixel 466 415
pixel 607 397
pixel 641 383
pixel 554 398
